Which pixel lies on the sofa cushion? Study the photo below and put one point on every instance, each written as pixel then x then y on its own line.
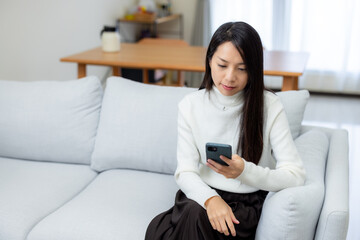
pixel 294 103
pixel 293 212
pixel 118 204
pixel 138 127
pixel 30 190
pixel 49 120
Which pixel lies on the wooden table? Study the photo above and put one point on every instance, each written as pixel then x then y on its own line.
pixel 162 41
pixel 289 65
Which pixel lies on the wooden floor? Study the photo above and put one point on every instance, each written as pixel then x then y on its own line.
pixel 342 112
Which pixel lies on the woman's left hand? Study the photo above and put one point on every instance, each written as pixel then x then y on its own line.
pixel 235 168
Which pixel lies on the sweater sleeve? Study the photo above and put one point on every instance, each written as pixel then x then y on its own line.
pixel 289 170
pixel 188 158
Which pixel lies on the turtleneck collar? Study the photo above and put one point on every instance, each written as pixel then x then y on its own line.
pixel 227 101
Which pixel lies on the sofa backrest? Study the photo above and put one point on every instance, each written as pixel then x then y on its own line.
pixel 57 121
pixel 138 125
pixel 49 120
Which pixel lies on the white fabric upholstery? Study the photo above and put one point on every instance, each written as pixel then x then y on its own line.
pixel 30 190
pixel 293 213
pixel 49 120
pixel 57 121
pixel 294 105
pixel 118 204
pixel 138 127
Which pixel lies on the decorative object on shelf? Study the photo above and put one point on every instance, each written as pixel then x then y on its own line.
pixel 110 39
pixel 145 10
pixel 147 6
pixel 164 8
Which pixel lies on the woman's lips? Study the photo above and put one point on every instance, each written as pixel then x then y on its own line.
pixel 227 87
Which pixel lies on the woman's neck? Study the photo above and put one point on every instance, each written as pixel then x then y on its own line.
pixel 227 101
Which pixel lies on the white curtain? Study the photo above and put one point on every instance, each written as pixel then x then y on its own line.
pixel 328 29
pixel 257 13
pixel 201 37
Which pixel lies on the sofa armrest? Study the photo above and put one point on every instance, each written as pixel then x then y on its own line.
pixel 334 216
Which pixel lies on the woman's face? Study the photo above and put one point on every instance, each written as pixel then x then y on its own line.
pixel 228 69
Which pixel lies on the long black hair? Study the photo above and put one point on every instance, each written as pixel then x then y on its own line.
pixel 248 43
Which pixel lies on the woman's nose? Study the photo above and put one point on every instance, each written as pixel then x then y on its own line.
pixel 230 75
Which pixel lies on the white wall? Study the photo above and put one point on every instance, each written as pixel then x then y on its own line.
pixel 36 34
pixel 187 8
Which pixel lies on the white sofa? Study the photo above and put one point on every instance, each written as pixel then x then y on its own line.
pixel 77 162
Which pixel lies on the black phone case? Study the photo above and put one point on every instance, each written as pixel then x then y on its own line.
pixel 214 150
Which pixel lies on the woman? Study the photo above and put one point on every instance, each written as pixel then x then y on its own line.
pixel 231 107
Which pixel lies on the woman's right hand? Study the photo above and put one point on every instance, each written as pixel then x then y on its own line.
pixel 221 216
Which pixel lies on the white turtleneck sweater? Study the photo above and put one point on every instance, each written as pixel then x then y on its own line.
pixel 208 116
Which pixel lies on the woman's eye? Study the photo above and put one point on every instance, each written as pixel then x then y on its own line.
pixel 222 66
pixel 242 69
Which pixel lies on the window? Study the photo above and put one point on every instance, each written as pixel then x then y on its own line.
pixel 328 29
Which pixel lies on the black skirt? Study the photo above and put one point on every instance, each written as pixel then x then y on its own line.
pixel 187 220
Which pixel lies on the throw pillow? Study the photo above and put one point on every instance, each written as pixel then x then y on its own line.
pixel 294 103
pixel 138 127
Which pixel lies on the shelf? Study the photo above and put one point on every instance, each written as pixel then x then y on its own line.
pixel 152 21
pixel 155 22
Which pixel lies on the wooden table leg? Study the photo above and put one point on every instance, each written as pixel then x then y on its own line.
pixel 180 78
pixel 145 76
pixel 81 70
pixel 116 71
pixel 290 83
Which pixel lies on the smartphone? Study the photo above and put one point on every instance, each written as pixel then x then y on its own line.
pixel 214 150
